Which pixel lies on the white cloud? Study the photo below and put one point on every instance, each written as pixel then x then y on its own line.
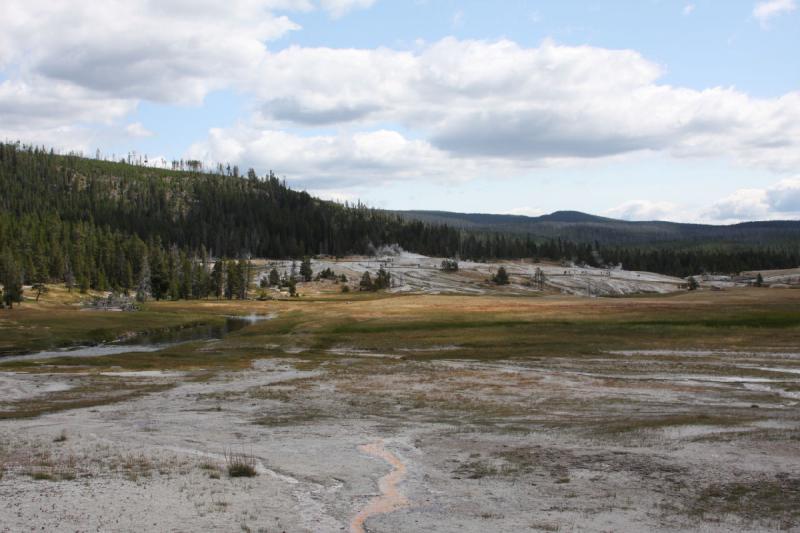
pixel 54 113
pixel 178 52
pixel 335 195
pixel 688 9
pixel 465 108
pixel 338 8
pixel 346 161
pixel 544 104
pixel 90 61
pixel 781 200
pixel 332 161
pixel 769 9
pixel 744 204
pixel 784 196
pixel 644 210
pixel 136 129
pixel 526 211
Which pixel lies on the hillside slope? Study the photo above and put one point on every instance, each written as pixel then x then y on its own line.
pixel 114 225
pixel 582 227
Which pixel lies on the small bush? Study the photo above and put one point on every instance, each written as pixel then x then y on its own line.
pixel 501 278
pixel 449 265
pixel 62 437
pixel 240 464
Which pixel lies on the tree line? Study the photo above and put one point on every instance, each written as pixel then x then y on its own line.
pixel 116 226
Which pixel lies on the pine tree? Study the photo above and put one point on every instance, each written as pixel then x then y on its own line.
pixel 366 283
pixel 159 276
pixel 83 284
pixel 40 289
pixel 233 281
pixel 305 269
pixel 246 273
pixel 244 276
pixel 200 280
pixel 383 280
pixel 127 278
pixel 274 277
pixel 218 279
pixel 186 277
pixel 174 274
pixel 11 278
pixel 144 287
pixel 69 278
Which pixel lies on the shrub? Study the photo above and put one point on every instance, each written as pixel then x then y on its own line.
pixel 450 265
pixel 240 464
pixel 366 282
pixel 501 278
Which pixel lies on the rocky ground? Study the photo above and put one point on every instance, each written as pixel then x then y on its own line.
pixel 414 273
pixel 633 441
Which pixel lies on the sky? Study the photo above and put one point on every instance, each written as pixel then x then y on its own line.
pixel 647 109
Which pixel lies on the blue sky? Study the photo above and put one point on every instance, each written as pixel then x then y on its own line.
pixel 645 109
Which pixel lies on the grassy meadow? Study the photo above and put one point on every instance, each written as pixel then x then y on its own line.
pixel 415 327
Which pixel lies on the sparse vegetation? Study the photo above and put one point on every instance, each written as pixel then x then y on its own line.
pixel 501 277
pixel 449 265
pixel 240 464
pixel 484 369
pixel 328 274
pixel 773 500
pixel 383 280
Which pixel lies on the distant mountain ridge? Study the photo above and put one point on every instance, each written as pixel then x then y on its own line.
pixel 583 227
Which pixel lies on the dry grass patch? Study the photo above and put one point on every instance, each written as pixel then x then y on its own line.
pixel 95 391
pixel 773 500
pixel 240 464
pixel 631 424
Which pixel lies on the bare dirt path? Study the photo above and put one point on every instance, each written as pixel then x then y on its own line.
pixel 391 499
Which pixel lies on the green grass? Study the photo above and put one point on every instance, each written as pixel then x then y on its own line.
pixel 631 424
pixel 30 329
pixel 478 327
pixel 772 500
pixel 96 392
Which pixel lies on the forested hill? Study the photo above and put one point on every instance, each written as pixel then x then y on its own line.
pixel 115 225
pixel 585 228
pixel 227 214
pixel 68 216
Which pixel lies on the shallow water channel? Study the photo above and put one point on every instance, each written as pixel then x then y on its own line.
pixel 148 342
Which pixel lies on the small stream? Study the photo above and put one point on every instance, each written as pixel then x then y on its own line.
pixel 148 342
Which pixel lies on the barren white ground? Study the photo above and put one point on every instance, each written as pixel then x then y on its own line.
pixel 421 274
pixel 446 445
